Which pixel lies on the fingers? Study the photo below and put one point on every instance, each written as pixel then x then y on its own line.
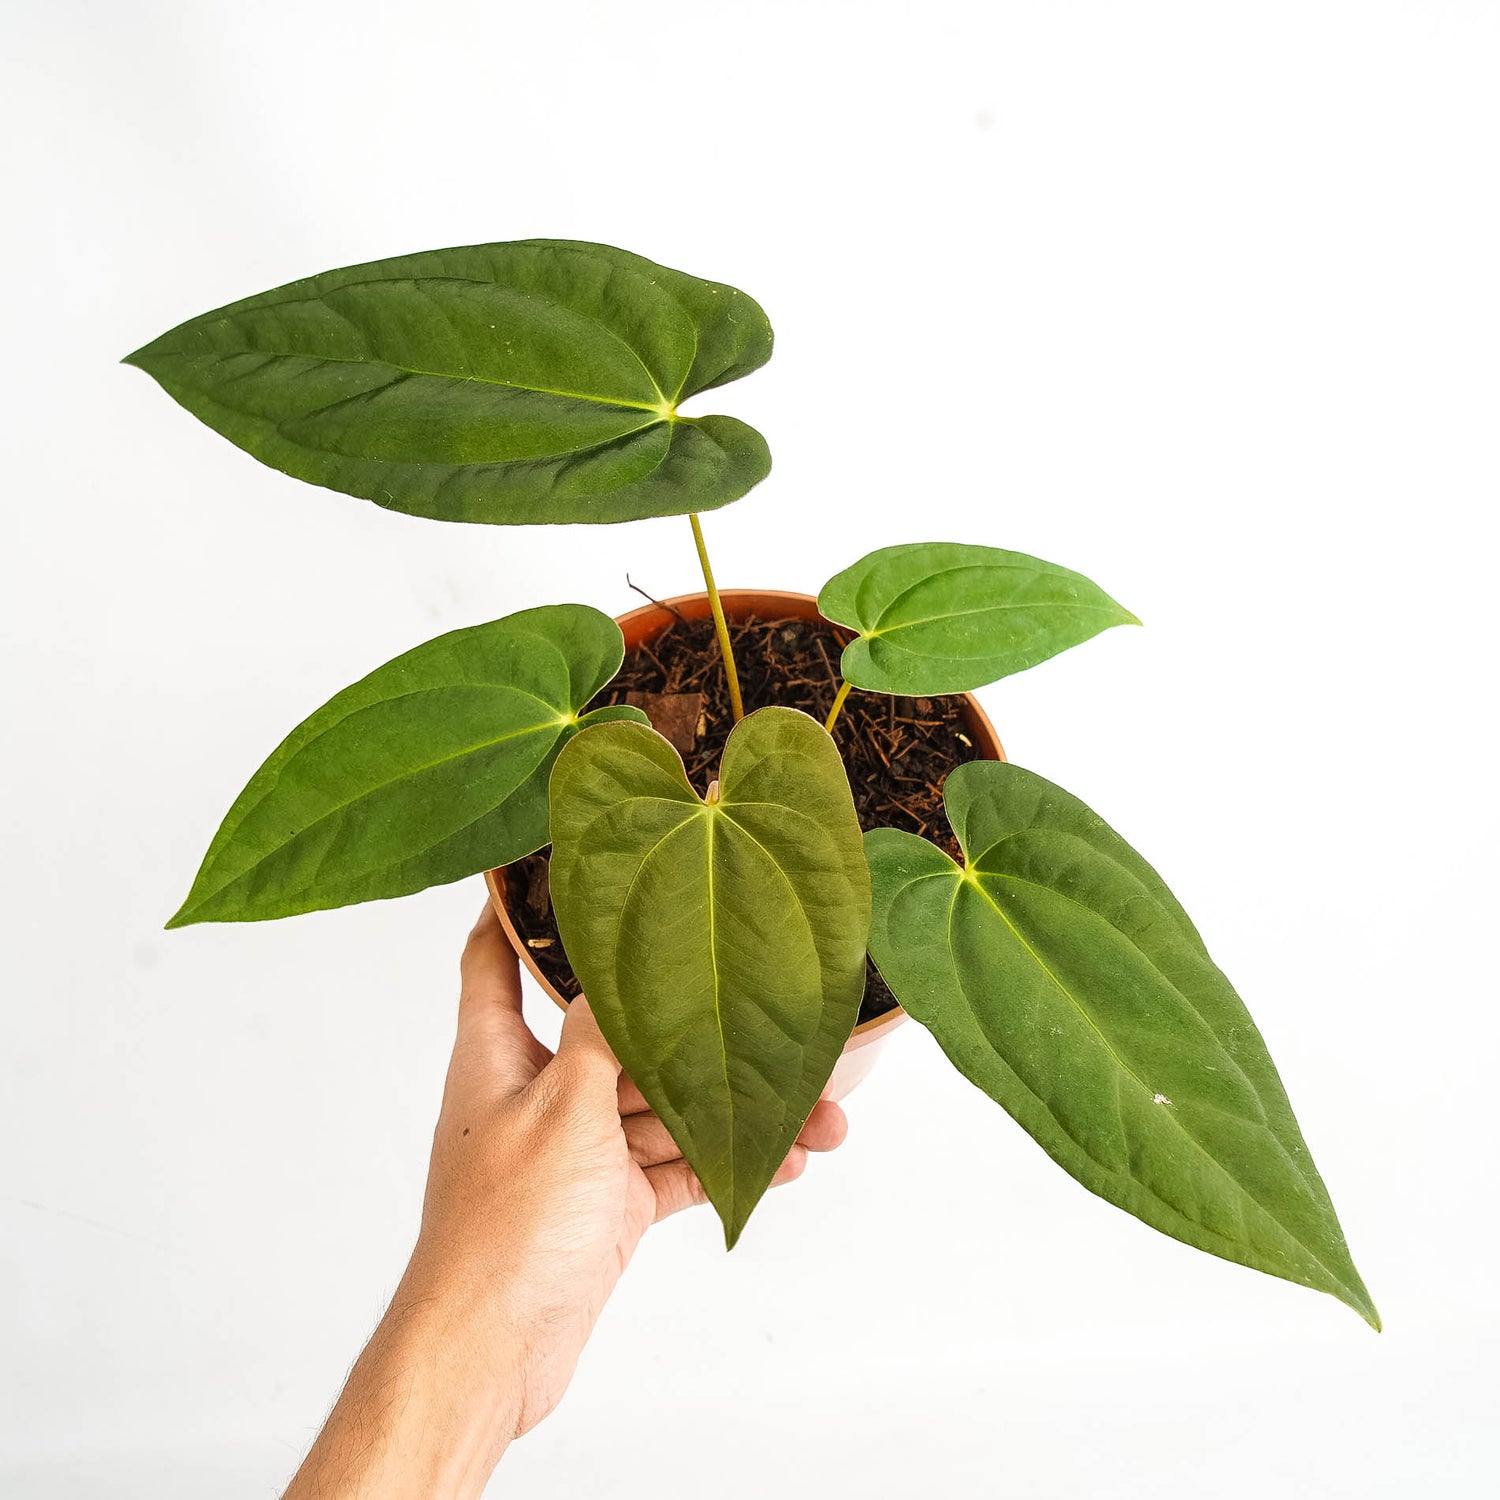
pixel 632 1101
pixel 649 1140
pixel 651 1145
pixel 792 1168
pixel 677 1187
pixel 826 1127
pixel 485 932
pixel 676 1184
pixel 494 1048
pixel 490 971
pixel 582 1045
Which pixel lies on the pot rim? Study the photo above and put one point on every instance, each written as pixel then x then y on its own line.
pixel 696 606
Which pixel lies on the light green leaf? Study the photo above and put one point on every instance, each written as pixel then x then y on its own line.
pixel 721 944
pixel 524 382
pixel 433 767
pixel 942 617
pixel 1060 976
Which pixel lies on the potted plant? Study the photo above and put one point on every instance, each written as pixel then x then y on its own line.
pixel 896 753
pixel 720 922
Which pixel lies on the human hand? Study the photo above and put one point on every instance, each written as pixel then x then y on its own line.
pixel 546 1171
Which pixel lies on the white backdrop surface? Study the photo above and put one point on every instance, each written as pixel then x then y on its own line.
pixel 1200 300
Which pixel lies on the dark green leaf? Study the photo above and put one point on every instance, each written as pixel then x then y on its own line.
pixel 433 767
pixel 1060 976
pixel 721 944
pixel 532 381
pixel 942 617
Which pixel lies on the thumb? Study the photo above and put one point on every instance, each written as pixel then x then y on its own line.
pixel 582 1045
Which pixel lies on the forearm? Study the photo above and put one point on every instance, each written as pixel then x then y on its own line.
pixel 427 1411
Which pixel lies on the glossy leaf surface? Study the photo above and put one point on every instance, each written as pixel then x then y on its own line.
pixel 1059 975
pixel 721 945
pixel 944 617
pixel 433 767
pixel 531 381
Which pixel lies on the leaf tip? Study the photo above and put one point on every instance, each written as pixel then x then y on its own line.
pixel 734 1226
pixel 1349 1288
pixel 182 917
pixel 1360 1302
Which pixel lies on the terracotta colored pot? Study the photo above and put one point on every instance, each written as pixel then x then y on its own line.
pixel 644 625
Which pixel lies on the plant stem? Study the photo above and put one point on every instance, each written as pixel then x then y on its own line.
pixel 725 649
pixel 838 703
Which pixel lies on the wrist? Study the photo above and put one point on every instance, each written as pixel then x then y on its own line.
pixel 450 1338
pixel 428 1409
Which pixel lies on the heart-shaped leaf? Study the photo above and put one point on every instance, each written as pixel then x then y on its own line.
pixel 943 617
pixel 532 381
pixel 1060 976
pixel 433 767
pixel 721 944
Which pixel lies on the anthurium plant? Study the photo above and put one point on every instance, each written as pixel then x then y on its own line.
pixel 721 931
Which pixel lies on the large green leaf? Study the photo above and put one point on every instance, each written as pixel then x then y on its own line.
pixel 721 943
pixel 531 381
pixel 1059 975
pixel 433 767
pixel 943 617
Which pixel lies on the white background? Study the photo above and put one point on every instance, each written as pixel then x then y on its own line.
pixel 1200 300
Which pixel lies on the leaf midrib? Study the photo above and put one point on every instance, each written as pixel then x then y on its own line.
pixel 1176 989
pixel 284 424
pixel 1171 1114
pixel 693 810
pixel 1041 963
pixel 1302 1166
pixel 450 467
pixel 385 868
pixel 1233 1250
pixel 713 964
pixel 977 566
pixel 321 299
pixel 621 402
pixel 407 775
pixel 885 633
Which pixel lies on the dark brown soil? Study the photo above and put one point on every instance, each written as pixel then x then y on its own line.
pixel 897 750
